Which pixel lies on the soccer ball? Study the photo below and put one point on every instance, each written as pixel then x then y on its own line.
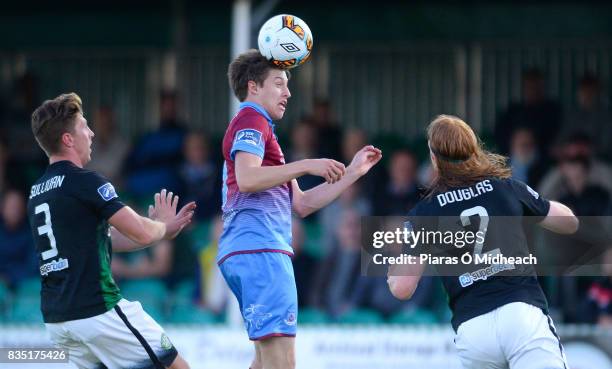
pixel 285 40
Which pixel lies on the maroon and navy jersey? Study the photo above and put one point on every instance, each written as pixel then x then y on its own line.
pixel 259 221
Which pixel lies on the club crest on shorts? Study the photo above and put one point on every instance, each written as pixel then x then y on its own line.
pixel 291 318
pixel 166 344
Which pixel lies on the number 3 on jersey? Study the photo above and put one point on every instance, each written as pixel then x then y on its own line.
pixel 47 230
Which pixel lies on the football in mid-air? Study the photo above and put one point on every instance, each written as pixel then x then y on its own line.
pixel 285 40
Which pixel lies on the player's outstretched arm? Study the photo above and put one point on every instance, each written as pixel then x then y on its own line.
pixel 305 203
pixel 131 231
pixel 560 219
pixel 251 176
pixel 122 243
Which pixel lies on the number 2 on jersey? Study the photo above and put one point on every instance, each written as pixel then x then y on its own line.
pixel 482 228
pixel 47 230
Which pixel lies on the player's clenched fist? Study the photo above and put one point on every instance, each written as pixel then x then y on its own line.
pixel 329 169
pixel 164 210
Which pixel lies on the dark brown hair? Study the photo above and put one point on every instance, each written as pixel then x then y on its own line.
pixel 460 157
pixel 249 66
pixel 54 118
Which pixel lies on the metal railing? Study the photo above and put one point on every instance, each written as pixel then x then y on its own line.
pixel 384 89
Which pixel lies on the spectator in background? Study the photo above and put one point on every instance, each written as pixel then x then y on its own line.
pixel 401 193
pixel 109 145
pixel 152 162
pixel 13 174
pixel 213 292
pixel 3 109
pixel 329 135
pixel 304 146
pixel 199 176
pixel 352 141
pixel 426 174
pixel 576 146
pixel 585 199
pixel 23 100
pixel 22 158
pixel 3 166
pixel 170 121
pixel 350 199
pixel 373 292
pixel 18 259
pixel 304 265
pixel 598 302
pixel 591 116
pixel 525 160
pixel 152 262
pixel 536 112
pixel 303 141
pixel 527 166
pixel 341 268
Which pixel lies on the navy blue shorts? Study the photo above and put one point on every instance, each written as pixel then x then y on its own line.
pixel 264 285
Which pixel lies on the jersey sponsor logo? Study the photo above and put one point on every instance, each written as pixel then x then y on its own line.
pixel 248 136
pixel 53 266
pixel 532 192
pixel 465 280
pixel 483 274
pixel 107 192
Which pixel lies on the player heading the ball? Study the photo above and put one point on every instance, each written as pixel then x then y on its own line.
pixel 285 40
pixel 260 192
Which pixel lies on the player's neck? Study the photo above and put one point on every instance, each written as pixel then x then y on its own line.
pixel 71 157
pixel 253 100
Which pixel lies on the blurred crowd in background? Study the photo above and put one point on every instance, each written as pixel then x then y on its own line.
pixel 564 152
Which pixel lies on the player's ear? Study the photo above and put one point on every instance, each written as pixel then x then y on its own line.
pixel 252 87
pixel 67 139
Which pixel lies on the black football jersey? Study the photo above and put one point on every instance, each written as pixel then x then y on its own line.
pixel 68 211
pixel 503 203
